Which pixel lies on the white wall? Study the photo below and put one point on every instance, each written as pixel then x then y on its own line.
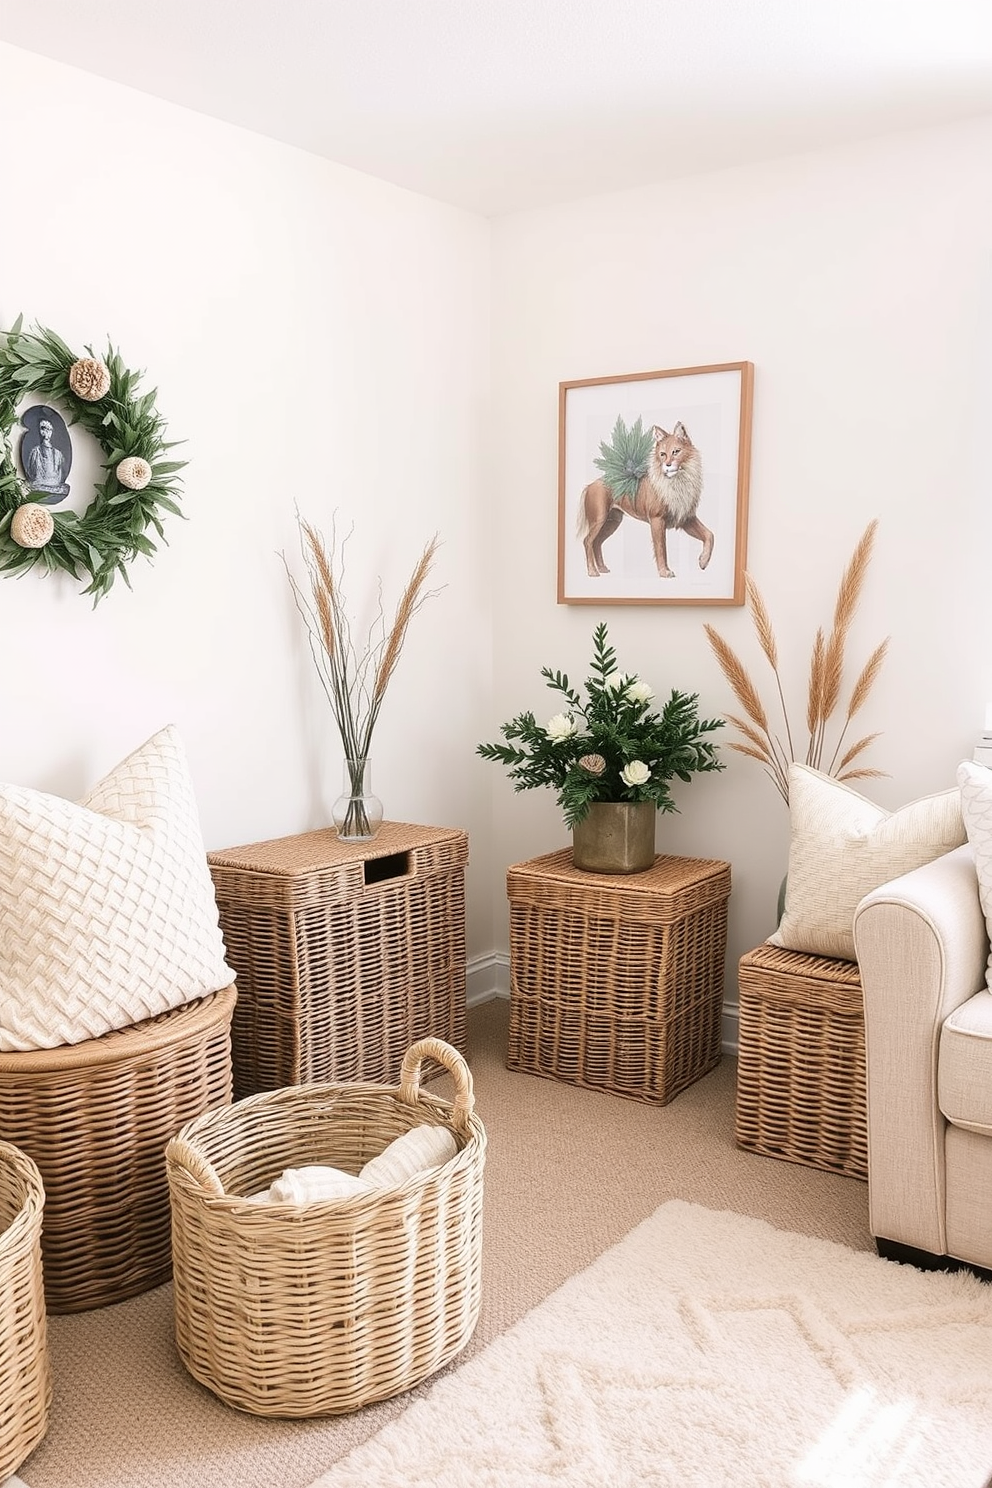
pixel 859 283
pixel 279 302
pixel 316 337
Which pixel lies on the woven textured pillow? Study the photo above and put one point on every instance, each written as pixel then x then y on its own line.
pixel 843 846
pixel 107 908
pixel 975 782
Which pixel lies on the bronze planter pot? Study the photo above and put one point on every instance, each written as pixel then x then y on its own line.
pixel 615 837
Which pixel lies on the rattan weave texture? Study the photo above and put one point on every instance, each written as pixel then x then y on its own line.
pixel 318 1309
pixel 96 1117
pixel 344 954
pixel 801 1061
pixel 25 1372
pixel 616 983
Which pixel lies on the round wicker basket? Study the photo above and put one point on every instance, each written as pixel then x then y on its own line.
pixel 95 1117
pixel 25 1375
pixel 317 1309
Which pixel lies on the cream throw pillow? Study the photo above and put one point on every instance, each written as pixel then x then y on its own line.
pixel 843 846
pixel 107 908
pixel 976 803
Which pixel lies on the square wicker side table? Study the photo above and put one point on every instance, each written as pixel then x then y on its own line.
pixel 801 1061
pixel 345 954
pixel 616 983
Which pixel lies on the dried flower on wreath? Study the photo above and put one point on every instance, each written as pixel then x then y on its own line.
pixel 824 687
pixel 134 473
pixel 32 525
pixel 89 379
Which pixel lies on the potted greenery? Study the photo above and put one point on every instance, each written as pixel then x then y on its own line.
pixel 609 759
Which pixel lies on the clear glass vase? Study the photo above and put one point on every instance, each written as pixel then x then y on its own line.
pixel 357 813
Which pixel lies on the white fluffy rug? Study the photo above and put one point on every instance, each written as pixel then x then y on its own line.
pixel 707 1349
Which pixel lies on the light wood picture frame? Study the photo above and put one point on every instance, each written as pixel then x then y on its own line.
pixel 653 475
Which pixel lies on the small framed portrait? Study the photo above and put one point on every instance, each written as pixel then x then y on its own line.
pixel 46 453
pixel 653 486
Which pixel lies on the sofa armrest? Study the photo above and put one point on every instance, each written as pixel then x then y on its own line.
pixel 922 948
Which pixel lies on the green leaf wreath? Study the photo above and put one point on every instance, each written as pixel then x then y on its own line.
pixel 624 461
pixel 612 747
pixel 139 484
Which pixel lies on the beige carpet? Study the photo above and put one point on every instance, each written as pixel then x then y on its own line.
pixel 568 1173
pixel 704 1350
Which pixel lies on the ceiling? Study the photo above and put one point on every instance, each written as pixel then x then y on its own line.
pixel 503 105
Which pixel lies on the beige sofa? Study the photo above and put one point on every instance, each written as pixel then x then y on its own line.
pixel 922 948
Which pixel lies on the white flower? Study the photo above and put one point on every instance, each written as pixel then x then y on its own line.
pixel 635 773
pixel 32 525
pixel 616 683
pixel 639 692
pixel 134 472
pixel 562 726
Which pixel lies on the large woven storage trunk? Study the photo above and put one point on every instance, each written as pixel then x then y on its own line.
pixel 317 1309
pixel 801 1062
pixel 616 983
pixel 345 954
pixel 95 1117
pixel 25 1374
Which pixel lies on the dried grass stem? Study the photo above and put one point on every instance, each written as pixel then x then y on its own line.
pixel 354 682
pixel 824 688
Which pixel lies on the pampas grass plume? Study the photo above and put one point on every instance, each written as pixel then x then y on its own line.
pixel 824 686
pixel 354 682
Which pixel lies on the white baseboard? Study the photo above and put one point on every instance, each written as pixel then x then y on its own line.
pixel 489 976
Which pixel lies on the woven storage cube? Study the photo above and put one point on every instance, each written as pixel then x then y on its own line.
pixel 345 954
pixel 616 983
pixel 95 1117
pixel 25 1374
pixel 317 1309
pixel 801 1065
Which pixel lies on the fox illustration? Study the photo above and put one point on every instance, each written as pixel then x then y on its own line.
pixel 667 496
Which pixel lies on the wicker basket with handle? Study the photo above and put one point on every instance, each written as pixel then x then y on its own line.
pixel 25 1375
pixel 318 1309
